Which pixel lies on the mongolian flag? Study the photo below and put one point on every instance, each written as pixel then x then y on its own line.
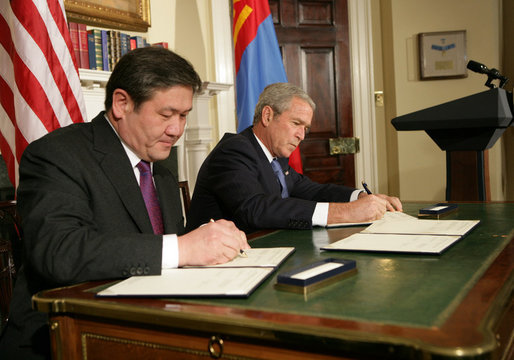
pixel 39 82
pixel 258 61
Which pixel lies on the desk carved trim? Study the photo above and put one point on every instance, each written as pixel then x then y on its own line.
pixel 473 322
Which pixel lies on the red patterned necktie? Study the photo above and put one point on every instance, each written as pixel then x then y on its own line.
pixel 150 196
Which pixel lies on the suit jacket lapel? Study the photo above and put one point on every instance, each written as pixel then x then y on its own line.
pixel 116 165
pixel 269 179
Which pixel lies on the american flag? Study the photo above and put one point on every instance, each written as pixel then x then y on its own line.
pixel 39 82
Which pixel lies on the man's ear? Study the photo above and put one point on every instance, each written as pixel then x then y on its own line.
pixel 121 103
pixel 266 115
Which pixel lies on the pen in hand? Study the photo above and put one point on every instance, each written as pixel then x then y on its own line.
pixel 368 191
pixel 241 251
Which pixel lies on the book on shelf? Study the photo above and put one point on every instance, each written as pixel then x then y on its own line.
pixel 112 45
pixel 140 41
pixel 95 49
pixel 97 37
pixel 124 43
pixel 98 49
pixel 74 35
pixel 163 44
pixel 83 46
pixel 91 50
pixel 105 50
pixel 132 42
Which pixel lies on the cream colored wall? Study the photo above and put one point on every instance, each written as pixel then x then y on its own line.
pixel 192 34
pixel 422 165
pixel 162 16
pixel 188 34
pixel 187 27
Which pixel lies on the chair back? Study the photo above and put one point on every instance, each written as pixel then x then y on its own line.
pixel 10 255
pixel 186 196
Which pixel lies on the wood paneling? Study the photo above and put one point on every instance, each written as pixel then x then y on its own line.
pixel 313 37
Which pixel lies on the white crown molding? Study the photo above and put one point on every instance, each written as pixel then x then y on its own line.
pixel 223 57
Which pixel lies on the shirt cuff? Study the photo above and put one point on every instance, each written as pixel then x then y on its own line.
pixel 355 195
pixel 320 215
pixel 169 251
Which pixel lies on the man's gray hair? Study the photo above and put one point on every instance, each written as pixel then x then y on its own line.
pixel 278 96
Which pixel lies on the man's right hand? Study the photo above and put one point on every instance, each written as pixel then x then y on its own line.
pixel 213 243
pixel 366 208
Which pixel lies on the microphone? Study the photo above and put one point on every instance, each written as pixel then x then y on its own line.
pixel 482 69
pixel 492 74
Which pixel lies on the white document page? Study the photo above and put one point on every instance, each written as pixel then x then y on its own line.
pixel 388 216
pixel 259 257
pixel 425 227
pixel 394 243
pixel 192 282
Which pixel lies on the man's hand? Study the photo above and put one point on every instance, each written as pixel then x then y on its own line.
pixel 365 208
pixel 213 243
pixel 393 203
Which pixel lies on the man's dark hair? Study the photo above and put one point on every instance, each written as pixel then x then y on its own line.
pixel 142 71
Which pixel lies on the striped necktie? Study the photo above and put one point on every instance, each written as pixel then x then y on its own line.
pixel 281 177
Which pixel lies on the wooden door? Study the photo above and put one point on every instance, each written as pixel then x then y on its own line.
pixel 313 37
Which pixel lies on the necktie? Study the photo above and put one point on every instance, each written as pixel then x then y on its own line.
pixel 281 178
pixel 150 196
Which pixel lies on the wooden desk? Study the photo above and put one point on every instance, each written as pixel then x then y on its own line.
pixel 398 306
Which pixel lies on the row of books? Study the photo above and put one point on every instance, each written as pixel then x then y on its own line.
pixel 98 49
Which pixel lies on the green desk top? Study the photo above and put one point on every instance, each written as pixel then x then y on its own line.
pixel 399 289
pixel 455 305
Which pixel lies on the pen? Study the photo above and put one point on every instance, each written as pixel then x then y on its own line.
pixel 366 187
pixel 241 251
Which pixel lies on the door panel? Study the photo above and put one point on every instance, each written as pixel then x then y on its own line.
pixel 313 37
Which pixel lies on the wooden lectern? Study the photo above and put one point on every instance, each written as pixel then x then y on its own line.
pixel 464 128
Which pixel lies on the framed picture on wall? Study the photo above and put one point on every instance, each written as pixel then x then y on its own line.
pixel 115 14
pixel 442 55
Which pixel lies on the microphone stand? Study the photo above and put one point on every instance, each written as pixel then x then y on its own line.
pixel 491 77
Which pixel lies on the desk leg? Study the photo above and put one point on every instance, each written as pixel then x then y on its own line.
pixel 62 344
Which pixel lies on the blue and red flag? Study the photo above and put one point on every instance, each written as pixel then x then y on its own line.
pixel 258 61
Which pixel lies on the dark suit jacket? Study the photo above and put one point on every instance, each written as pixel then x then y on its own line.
pixel 83 217
pixel 237 182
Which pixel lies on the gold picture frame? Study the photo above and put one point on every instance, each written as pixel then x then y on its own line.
pixel 116 14
pixel 442 55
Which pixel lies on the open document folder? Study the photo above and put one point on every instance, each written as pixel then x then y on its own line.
pixel 406 234
pixel 237 278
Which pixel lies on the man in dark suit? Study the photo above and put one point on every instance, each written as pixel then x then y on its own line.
pixel 83 213
pixel 237 180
